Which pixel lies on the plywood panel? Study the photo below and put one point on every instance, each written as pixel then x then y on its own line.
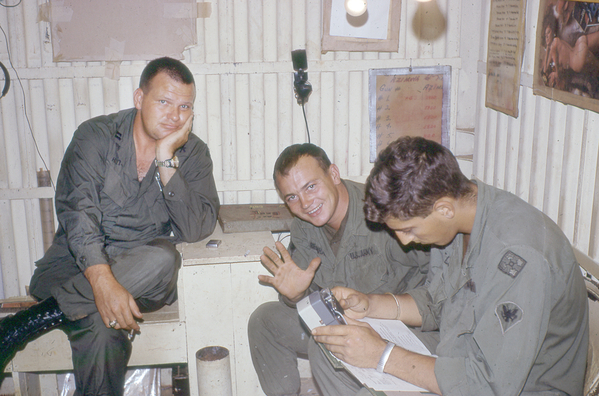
pixel 101 31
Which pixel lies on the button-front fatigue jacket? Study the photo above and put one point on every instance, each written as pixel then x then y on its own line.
pixel 367 261
pixel 104 210
pixel 513 314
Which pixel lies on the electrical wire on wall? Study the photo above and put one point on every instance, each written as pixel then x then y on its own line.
pixel 24 99
pixel 306 120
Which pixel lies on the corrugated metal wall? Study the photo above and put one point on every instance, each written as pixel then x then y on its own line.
pixel 548 156
pixel 245 108
pixel 246 111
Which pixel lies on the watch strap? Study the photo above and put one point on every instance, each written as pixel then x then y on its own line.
pixel 168 163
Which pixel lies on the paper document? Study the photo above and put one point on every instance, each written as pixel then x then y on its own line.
pixel 399 334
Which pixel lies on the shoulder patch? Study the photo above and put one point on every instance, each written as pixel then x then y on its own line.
pixel 511 264
pixel 509 315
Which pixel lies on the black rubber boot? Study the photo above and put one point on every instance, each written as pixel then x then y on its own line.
pixel 18 329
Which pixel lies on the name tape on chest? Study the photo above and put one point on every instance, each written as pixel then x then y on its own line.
pixel 316 248
pixel 371 251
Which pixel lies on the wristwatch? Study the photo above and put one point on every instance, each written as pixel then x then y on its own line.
pixel 169 163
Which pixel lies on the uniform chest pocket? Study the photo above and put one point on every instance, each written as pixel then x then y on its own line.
pixel 114 192
pixel 459 313
pixel 369 268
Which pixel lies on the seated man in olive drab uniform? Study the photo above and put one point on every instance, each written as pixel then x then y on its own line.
pixel 504 291
pixel 131 185
pixel 331 245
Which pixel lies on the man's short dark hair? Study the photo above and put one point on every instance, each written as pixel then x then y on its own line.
pixel 409 176
pixel 174 68
pixel 289 157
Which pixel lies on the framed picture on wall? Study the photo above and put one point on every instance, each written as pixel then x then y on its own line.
pixel 408 102
pixel 567 56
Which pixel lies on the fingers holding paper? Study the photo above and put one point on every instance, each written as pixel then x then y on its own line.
pixel 355 343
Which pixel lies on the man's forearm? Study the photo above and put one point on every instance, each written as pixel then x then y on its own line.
pixel 384 306
pixel 96 273
pixel 291 302
pixel 412 367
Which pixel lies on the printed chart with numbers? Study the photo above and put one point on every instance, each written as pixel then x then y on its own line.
pixel 408 102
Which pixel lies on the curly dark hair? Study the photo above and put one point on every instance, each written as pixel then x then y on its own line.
pixel 409 176
pixel 289 157
pixel 174 68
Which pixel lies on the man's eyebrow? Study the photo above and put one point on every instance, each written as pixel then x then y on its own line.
pixel 401 229
pixel 307 184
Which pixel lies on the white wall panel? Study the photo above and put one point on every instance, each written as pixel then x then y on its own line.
pixel 586 210
pixel 528 116
pixel 355 124
pixel 269 29
pixel 556 147
pixel 570 171
pixel 246 112
pixel 245 108
pixel 512 152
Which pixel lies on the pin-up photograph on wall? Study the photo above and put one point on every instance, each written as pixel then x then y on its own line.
pixel 567 56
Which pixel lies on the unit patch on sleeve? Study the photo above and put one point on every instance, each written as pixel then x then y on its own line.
pixel 509 315
pixel 511 264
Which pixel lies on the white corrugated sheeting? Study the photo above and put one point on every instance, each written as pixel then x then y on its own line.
pixel 548 156
pixel 246 112
pixel 245 108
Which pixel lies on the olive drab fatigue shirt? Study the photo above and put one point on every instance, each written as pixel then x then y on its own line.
pixel 104 210
pixel 367 261
pixel 513 313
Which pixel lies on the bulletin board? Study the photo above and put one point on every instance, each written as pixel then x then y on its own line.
pixel 408 102
pixel 116 30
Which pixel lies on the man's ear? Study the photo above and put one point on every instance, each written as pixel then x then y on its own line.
pixel 445 207
pixel 138 96
pixel 334 172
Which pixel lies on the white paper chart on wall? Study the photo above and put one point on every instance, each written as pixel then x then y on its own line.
pixel 408 102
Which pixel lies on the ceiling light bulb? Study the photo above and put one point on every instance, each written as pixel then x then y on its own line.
pixel 355 7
